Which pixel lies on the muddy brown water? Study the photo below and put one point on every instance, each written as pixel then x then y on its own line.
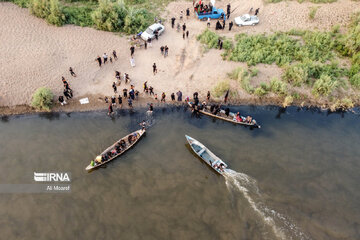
pixel 295 178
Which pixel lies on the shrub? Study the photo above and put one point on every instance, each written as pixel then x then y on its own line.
pixel 262 90
pixel 242 76
pixel 109 16
pixel 221 88
pixel 209 38
pixel 253 72
pixel 343 104
pixel 22 3
pixel 137 20
pixel 80 16
pixel 42 99
pixel 278 87
pixel 323 86
pixel 288 100
pixel 49 10
pixel 295 74
pixel 312 12
pixel 355 80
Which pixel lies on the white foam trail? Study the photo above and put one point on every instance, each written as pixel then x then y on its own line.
pixel 244 183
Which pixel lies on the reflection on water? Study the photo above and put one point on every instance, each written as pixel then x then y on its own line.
pixel 295 178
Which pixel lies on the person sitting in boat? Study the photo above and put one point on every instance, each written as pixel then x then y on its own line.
pixel 109 155
pixel 130 138
pixel 227 111
pixel 122 143
pixel 203 106
pixel 212 107
pixel 216 110
pixel 143 125
pixel 134 136
pixel 248 119
pixel 238 117
pixel 222 166
pixel 113 152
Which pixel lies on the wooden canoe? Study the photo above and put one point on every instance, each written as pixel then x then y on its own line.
pixel 138 133
pixel 206 155
pixel 222 116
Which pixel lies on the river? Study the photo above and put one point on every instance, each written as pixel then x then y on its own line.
pixel 295 178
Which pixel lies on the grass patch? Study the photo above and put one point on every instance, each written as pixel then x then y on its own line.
pixel 221 88
pixel 278 87
pixel 243 77
pixel 42 99
pixel 312 12
pixel 324 86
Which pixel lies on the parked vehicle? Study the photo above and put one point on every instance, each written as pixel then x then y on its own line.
pixel 150 31
pixel 246 20
pixel 215 13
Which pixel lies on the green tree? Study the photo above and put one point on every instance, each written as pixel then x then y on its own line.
pixel 42 99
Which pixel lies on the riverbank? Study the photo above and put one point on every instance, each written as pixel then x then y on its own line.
pixel 34 54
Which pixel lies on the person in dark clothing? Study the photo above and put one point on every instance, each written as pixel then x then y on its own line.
pixel 106 99
pixel 183 35
pixel 69 90
pixel 105 57
pixel 156 35
pixel 162 50
pixel 154 69
pixel 212 107
pixel 151 89
pixel 130 102
pixel 111 111
pixel 120 101
pixel 145 45
pixel 114 54
pixel 114 87
pixel 72 72
pixel 173 97
pixel 99 60
pixel 257 11
pixel 187 12
pixel 184 27
pixel 196 95
pixel 221 44
pixel 166 52
pixel 230 25
pixel 66 94
pixel 61 100
pixel 125 92
pixel 223 26
pixel 218 25
pixel 196 101
pixel 227 111
pixel 113 100
pixel 228 7
pixel 117 75
pixel 187 34
pixel 226 96
pixel 163 96
pixel 132 50
pixel 145 86
pixel 179 96
pixel 208 95
pixel 173 22
pixel 151 108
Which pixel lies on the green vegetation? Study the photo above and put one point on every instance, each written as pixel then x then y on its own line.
pixel 324 86
pixel 221 88
pixel 42 99
pixel 243 77
pixel 343 104
pixel 312 12
pixel 301 1
pixel 262 90
pixel 288 100
pixel 278 87
pixel 130 17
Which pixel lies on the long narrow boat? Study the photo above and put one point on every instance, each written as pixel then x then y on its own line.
pixel 231 118
pixel 206 155
pixel 99 161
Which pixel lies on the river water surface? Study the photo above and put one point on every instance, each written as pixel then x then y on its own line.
pixel 295 178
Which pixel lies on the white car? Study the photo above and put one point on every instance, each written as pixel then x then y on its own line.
pixel 246 20
pixel 150 31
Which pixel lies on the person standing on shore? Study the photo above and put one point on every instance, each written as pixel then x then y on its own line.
pixel 221 44
pixel 145 86
pixel 184 27
pixel 105 57
pixel 163 96
pixel 72 72
pixel 113 100
pixel 226 96
pixel 99 60
pixel 166 51
pixel 173 22
pixel 162 50
pixel 111 111
pixel 125 92
pixel 173 97
pixel 228 11
pixel 154 69
pixel 179 96
pixel 132 50
pixel 114 54
pixel 120 101
pixel 130 102
pixel 114 87
pixel 208 96
pixel 223 26
pixel 145 45
pixel 155 96
pixel 257 11
pixel 230 25
pixel 151 89
pixel 187 13
pixel 208 22
pixel 66 94
pixel 149 42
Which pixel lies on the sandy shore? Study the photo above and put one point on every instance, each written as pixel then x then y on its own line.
pixel 34 54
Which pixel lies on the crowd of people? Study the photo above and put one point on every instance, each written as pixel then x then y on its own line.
pixel 67 92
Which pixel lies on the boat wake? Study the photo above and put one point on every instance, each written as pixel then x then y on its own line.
pixel 149 119
pixel 282 227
